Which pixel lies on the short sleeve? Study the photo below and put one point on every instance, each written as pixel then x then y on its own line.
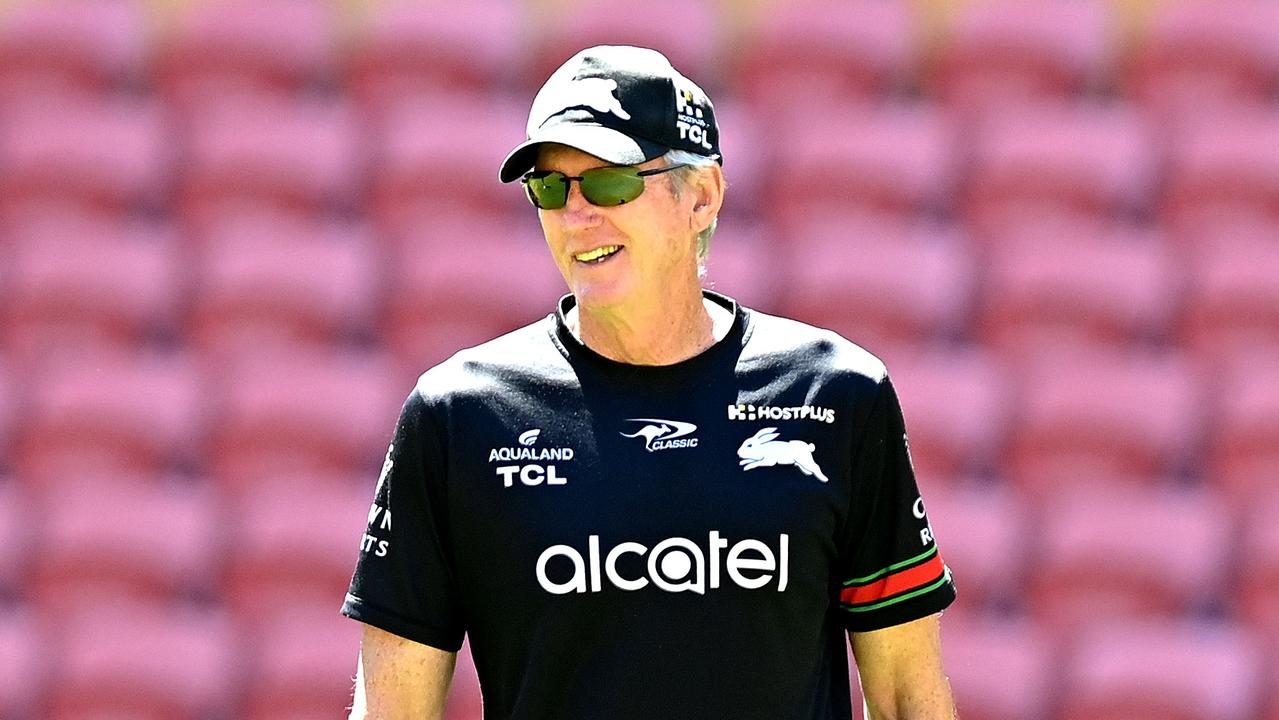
pixel 403 581
pixel 891 570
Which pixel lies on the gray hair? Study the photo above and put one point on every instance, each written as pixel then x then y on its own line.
pixel 681 180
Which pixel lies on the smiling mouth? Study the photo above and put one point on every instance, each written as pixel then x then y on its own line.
pixel 598 255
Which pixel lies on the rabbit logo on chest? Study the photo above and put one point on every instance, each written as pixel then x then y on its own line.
pixel 763 449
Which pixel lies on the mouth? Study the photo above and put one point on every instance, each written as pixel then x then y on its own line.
pixel 598 255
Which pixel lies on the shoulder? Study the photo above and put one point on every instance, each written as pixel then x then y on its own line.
pixel 521 355
pixel 785 343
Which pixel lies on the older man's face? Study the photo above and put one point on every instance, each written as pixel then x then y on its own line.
pixel 657 249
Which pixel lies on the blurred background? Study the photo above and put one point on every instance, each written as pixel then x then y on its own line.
pixel 233 233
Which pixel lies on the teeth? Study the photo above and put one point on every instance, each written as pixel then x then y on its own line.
pixel 597 254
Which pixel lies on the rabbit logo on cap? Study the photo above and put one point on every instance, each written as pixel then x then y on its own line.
pixel 763 449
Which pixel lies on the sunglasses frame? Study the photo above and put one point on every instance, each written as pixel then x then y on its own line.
pixel 568 182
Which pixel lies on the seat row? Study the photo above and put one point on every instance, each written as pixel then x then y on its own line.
pixel 1105 163
pixel 1174 55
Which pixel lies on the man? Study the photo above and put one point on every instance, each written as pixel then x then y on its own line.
pixel 654 503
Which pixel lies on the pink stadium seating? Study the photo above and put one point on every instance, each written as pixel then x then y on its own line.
pixel 1257 569
pixel 682 29
pixel 446 294
pixel 891 158
pixel 1244 441
pixel 109 156
pixel 10 402
pixel 797 55
pixel 16 538
pixel 1089 418
pixel 1223 165
pixel 1197 56
pixel 1038 164
pixel 427 164
pixel 115 537
pixel 136 413
pixel 289 411
pixel 295 544
pixel 302 660
pixel 879 283
pixel 998 55
pixel 144 661
pixel 956 405
pixel 23 645
pixel 305 157
pixel 1119 553
pixel 1171 671
pixel 1232 298
pixel 1000 669
pixel 740 265
pixel 1054 287
pixel 1270 680
pixel 272 280
pixel 225 48
pixel 464 702
pixel 748 160
pixel 982 533
pixel 77 284
pixel 70 47
pixel 408 49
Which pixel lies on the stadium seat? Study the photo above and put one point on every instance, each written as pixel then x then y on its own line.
pixel 302 659
pixel 428 164
pixel 1000 669
pixel 956 405
pixel 116 537
pixel 136 413
pixel 1196 56
pixel 798 55
pixel 79 285
pixel 284 281
pixel 106 156
pixel 89 48
pixel 1041 164
pixel 304 157
pixel 289 411
pixel 1129 552
pixel 1224 165
pixel 1257 571
pixel 143 661
pixel 464 700
pixel 23 652
pixel 880 282
pixel 982 533
pixel 16 538
pixel 1068 287
pixel 681 29
pixel 447 294
pixel 740 266
pixel 749 160
pixel 997 56
pixel 228 48
pixel 1232 299
pixel 891 158
pixel 1165 670
pixel 10 402
pixel 407 49
pixel 1090 418
pixel 1243 444
pixel 295 544
pixel 1270 680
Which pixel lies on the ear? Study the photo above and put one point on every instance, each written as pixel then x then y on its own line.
pixel 708 196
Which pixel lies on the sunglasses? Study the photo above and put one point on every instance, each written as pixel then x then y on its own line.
pixel 605 186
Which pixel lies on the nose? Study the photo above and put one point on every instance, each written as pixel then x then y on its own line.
pixel 577 211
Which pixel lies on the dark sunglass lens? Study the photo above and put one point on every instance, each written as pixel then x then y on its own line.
pixel 548 192
pixel 612 185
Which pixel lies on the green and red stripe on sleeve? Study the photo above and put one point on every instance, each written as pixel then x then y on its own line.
pixel 896 583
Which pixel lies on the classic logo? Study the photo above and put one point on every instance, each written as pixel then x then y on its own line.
pixel 663 434
pixel 763 449
pixel 595 93
pixel 745 411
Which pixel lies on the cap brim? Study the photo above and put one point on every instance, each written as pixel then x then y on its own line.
pixel 604 143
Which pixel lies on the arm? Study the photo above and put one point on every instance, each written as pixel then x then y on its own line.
pixel 901 672
pixel 398 678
